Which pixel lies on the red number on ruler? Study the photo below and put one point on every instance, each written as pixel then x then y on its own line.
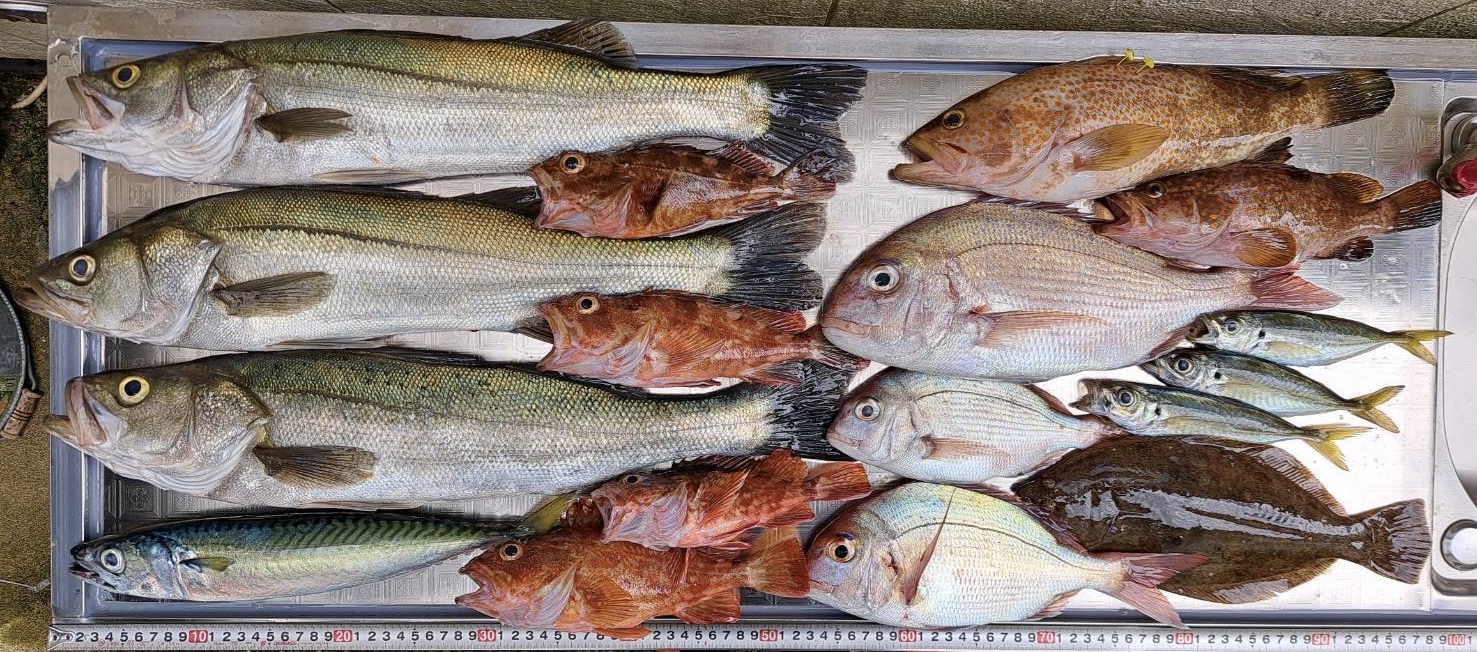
pixel 769 635
pixel 342 636
pixel 197 636
pixel 1321 639
pixel 1456 639
pixel 909 635
pixel 486 635
pixel 1184 638
pixel 1046 637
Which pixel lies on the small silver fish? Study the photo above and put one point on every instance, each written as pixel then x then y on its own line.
pixel 1153 410
pixel 1267 385
pixel 1302 339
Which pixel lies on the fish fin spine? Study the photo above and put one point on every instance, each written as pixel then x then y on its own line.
pixel 1142 575
pixel 1411 341
pixel 1286 290
pixel 839 481
pixel 1367 407
pixel 767 268
pixel 805 106
pixel 1265 247
pixel 776 564
pixel 787 373
pixel 1116 146
pixel 588 36
pixel 1350 96
pixel 1398 540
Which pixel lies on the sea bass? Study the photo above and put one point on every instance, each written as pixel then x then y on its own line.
pixel 934 557
pixel 712 502
pixel 1267 385
pixel 667 190
pixel 364 106
pixel 1260 518
pixel 674 339
pixel 380 429
pixel 1153 410
pixel 1263 215
pixel 277 556
pixel 291 267
pixel 1092 127
pixel 568 580
pixel 957 430
pixel 1303 339
pixel 989 290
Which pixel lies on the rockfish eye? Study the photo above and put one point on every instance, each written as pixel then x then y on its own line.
pixel 111 560
pixel 883 278
pixel 82 268
pixel 954 119
pixel 842 550
pixel 125 75
pixel 572 162
pixel 510 551
pixel 1125 397
pixel 631 478
pixel 133 389
pixel 587 304
pixel 868 409
pixel 1182 365
pixel 1155 190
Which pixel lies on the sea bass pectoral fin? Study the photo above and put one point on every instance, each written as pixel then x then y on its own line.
pixel 275 296
pixel 721 608
pixel 317 466
pixel 1264 247
pixel 303 124
pixel 1115 147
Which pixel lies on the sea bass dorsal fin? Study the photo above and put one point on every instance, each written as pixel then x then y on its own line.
pixel 275 296
pixel 1356 186
pixel 1269 247
pixel 317 466
pixel 1051 400
pixel 592 37
pixel 217 564
pixel 304 124
pixel 1115 147
pixel 1266 79
pixel 914 575
pixel 522 200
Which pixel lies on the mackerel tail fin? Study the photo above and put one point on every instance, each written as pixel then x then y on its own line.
pixel 1351 96
pixel 1411 341
pixel 1325 438
pixel 801 414
pixel 805 107
pixel 1397 540
pixel 1367 407
pixel 766 267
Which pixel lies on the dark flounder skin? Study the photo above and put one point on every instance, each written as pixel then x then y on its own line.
pixel 1258 516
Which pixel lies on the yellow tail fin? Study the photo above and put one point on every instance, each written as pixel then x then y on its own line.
pixel 1328 436
pixel 1411 341
pixel 1367 407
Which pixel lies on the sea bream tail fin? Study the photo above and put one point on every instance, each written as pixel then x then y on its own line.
pixel 766 268
pixel 1417 206
pixel 1367 407
pixel 801 414
pixel 1397 540
pixel 776 564
pixel 1142 575
pixel 1350 96
pixel 1411 341
pixel 812 177
pixel 805 106
pixel 1325 437
pixel 1287 291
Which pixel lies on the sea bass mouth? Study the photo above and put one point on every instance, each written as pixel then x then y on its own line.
pixel 44 302
pixel 83 428
pixel 99 112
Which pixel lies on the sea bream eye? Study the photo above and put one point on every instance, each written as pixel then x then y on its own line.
pixel 111 560
pixel 125 75
pixel 571 162
pixel 843 549
pixel 868 409
pixel 883 278
pixel 82 268
pixel 132 390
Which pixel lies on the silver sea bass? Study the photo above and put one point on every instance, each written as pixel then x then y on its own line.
pixel 292 267
pixel 932 556
pixel 990 290
pixel 398 429
pixel 957 430
pixel 363 106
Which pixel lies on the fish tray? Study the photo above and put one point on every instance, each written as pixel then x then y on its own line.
pixel 1418 279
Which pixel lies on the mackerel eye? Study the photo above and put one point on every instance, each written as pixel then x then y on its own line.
pixel 868 409
pixel 132 390
pixel 842 550
pixel 1154 190
pixel 1125 397
pixel 883 278
pixel 954 119
pixel 572 162
pixel 125 75
pixel 587 304
pixel 510 551
pixel 111 560
pixel 81 268
pixel 1182 365
pixel 1232 327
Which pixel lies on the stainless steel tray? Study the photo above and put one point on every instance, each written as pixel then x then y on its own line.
pixel 1419 279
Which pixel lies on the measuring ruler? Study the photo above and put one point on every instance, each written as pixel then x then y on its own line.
pixel 758 636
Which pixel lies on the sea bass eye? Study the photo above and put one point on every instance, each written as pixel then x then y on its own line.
pixel 111 560
pixel 82 268
pixel 510 551
pixel 587 304
pixel 883 278
pixel 125 75
pixel 1182 365
pixel 132 390
pixel 572 162
pixel 1125 397
pixel 954 119
pixel 1154 190
pixel 843 549
pixel 868 409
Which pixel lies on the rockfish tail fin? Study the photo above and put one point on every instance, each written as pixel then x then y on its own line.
pixel 1411 341
pixel 766 268
pixel 1397 539
pixel 805 106
pixel 801 414
pixel 1286 290
pixel 1142 575
pixel 1350 96
pixel 1417 206
pixel 776 564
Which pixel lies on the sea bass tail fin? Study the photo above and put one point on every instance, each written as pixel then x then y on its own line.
pixel 1398 541
pixel 1286 290
pixel 1417 206
pixel 839 481
pixel 766 268
pixel 830 355
pixel 813 176
pixel 776 564
pixel 805 107
pixel 1351 96
pixel 1411 341
pixel 1142 575
pixel 1328 435
pixel 801 414
pixel 1367 407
